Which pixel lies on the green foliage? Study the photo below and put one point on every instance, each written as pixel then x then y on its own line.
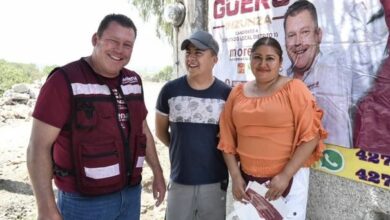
pixel 165 74
pixel 47 69
pixel 13 73
pixel 155 8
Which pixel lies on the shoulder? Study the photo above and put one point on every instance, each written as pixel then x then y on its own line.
pixel 174 84
pixel 172 87
pixel 223 87
pixel 130 77
pixel 56 77
pixel 74 67
pixel 77 70
pixel 297 83
pixel 237 90
pixel 221 84
pixel 131 74
pixel 298 90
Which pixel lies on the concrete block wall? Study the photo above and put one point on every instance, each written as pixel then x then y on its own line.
pixel 333 197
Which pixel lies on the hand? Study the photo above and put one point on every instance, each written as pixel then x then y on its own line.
pixel 277 186
pixel 238 188
pixel 159 189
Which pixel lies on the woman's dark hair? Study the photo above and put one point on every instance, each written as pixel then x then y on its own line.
pixel 123 20
pixel 268 41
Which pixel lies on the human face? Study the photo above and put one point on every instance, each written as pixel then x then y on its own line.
pixel 265 64
pixel 112 51
pixel 302 40
pixel 199 62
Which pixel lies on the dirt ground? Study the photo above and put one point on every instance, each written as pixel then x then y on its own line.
pixel 16 196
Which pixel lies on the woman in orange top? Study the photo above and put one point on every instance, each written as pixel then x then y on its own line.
pixel 270 130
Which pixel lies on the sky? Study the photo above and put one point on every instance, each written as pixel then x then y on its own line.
pixel 55 32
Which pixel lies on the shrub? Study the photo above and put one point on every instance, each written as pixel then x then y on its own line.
pixel 164 75
pixel 13 73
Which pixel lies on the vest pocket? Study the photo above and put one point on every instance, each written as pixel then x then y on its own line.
pixel 86 117
pixel 140 151
pixel 101 168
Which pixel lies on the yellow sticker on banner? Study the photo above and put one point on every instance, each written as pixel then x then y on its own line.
pixel 356 164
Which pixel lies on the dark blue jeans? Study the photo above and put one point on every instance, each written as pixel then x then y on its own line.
pixel 125 204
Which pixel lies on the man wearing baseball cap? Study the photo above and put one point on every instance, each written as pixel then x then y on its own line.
pixel 187 117
pixel 201 40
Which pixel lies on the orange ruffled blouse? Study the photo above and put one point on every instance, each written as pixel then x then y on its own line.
pixel 265 131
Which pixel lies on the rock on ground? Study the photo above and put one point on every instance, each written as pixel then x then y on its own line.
pixel 16 196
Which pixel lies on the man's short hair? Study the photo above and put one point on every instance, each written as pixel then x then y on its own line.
pixel 298 7
pixel 123 20
pixel 201 40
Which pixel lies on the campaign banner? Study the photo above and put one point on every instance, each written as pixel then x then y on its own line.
pixel 340 48
pixel 356 164
pixel 350 26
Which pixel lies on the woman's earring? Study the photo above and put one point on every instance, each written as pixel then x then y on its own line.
pixel 280 69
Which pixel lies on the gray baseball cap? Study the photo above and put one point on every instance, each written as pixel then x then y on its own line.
pixel 201 40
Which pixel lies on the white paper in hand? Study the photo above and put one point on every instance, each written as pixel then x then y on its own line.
pixel 258 208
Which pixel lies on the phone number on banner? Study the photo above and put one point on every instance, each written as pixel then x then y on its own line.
pixel 356 164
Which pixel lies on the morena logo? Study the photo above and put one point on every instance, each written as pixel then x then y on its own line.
pixel 129 80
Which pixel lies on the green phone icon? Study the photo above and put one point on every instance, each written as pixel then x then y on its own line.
pixel 332 161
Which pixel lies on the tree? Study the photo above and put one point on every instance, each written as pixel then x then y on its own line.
pixel 11 74
pixel 30 70
pixel 47 69
pixel 155 8
pixel 164 75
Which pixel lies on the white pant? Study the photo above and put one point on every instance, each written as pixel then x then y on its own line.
pixel 296 200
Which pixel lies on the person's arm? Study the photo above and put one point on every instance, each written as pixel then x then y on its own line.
pixel 39 164
pixel 159 187
pixel 228 143
pixel 280 182
pixel 162 128
pixel 238 183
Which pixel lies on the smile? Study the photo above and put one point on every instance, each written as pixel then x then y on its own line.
pixel 115 57
pixel 192 65
pixel 301 51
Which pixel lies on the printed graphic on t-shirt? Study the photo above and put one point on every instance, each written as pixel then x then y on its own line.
pixel 123 113
pixel 195 110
